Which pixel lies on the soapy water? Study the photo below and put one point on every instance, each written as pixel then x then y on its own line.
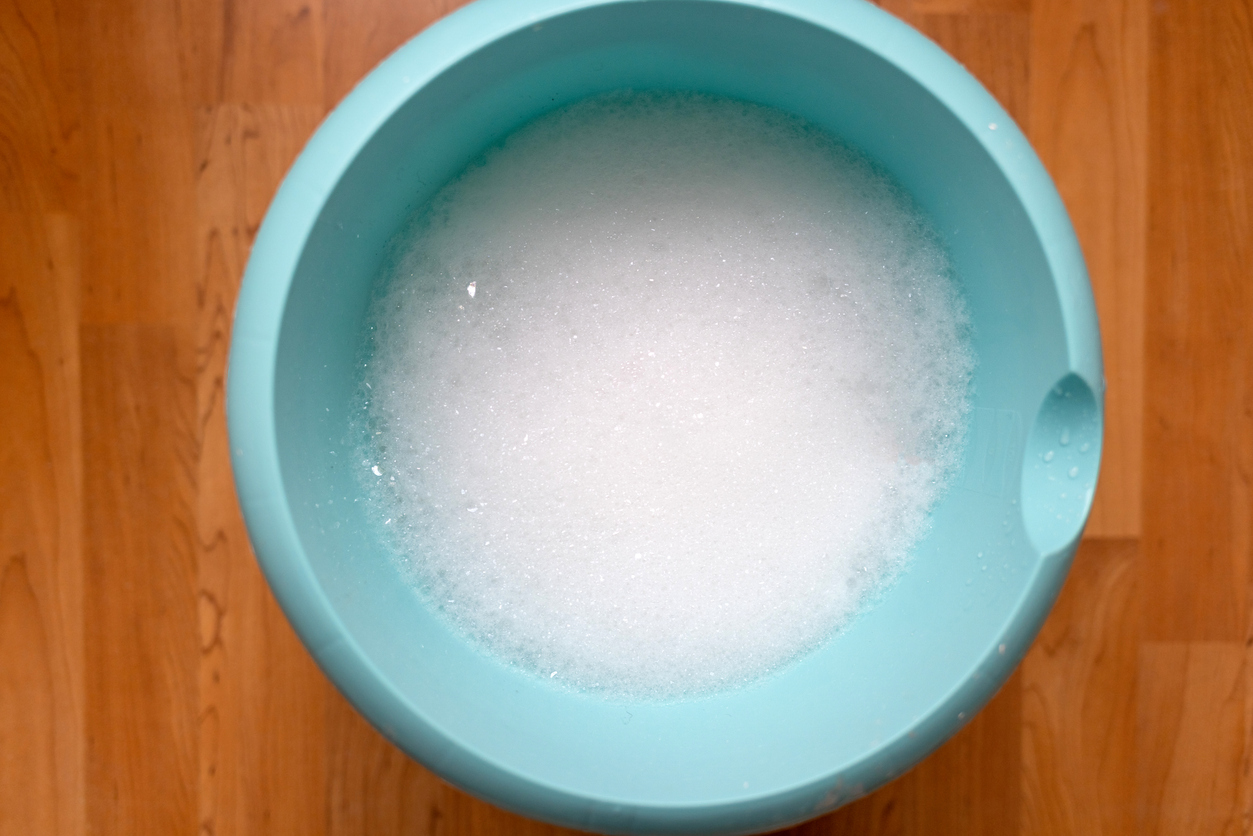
pixel 660 391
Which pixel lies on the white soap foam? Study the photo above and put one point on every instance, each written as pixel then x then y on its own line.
pixel 662 389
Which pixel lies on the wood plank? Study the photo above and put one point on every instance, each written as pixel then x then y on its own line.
pixel 967 7
pixel 41 621
pixel 40 144
pixel 373 787
pixel 1079 700
pixel 141 644
pixel 42 767
pixel 1089 124
pixel 361 33
pixel 993 47
pixel 1199 349
pixel 28 762
pixel 888 811
pixel 970 785
pixel 138 148
pixel 262 700
pixel 467 816
pixel 262 710
pixel 253 53
pixel 1190 738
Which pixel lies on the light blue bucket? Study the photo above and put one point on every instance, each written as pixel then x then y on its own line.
pixel 907 673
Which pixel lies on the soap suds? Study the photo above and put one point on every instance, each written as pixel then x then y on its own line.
pixel 660 390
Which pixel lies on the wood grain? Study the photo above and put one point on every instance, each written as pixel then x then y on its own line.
pixel 911 10
pixel 42 731
pixel 149 683
pixel 39 109
pixel 140 637
pixel 995 48
pixel 374 787
pixel 137 166
pixel 360 33
pixel 1199 347
pixel 261 698
pixel 41 605
pixel 1079 701
pixel 1190 737
pixel 1089 124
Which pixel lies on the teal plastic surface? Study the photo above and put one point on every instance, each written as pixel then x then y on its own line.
pixel 908 672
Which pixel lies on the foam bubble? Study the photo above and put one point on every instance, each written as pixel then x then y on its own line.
pixel 709 376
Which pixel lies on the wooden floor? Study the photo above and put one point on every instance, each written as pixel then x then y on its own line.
pixel 150 685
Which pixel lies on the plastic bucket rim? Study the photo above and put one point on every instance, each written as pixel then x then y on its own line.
pixel 257 330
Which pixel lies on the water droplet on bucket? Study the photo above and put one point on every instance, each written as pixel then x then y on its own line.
pixel 1065 439
pixel 1048 457
pixel 1074 471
